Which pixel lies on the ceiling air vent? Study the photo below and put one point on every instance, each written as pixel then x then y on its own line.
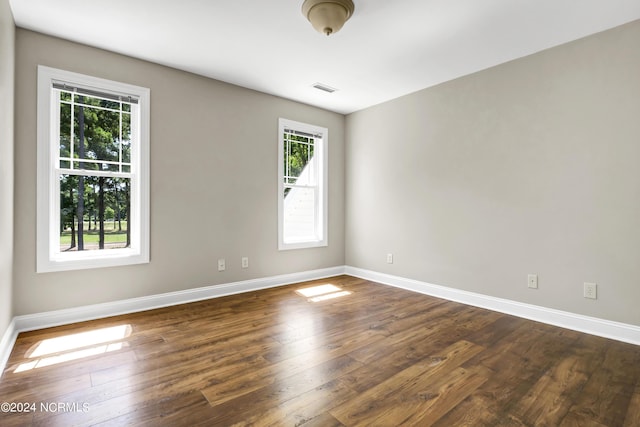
pixel 324 87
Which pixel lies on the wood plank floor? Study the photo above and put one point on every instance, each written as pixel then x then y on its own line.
pixel 377 357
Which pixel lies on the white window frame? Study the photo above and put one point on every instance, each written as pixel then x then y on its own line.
pixel 321 158
pixel 49 256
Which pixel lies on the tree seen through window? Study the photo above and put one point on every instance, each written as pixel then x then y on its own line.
pixel 95 160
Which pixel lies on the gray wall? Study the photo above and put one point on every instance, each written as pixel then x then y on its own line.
pixel 213 182
pixel 7 34
pixel 528 167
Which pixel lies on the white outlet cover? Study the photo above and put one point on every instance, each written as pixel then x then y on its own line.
pixel 532 281
pixel 590 290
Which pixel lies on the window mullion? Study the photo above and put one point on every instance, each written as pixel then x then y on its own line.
pixel 84 104
pixel 54 246
pixel 316 212
pixel 89 172
pixel 72 128
pixel 310 160
pixel 120 139
pixel 287 154
pixel 135 211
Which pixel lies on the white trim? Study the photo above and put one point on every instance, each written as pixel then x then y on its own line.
pixel 6 344
pixel 577 322
pixel 590 325
pixel 48 319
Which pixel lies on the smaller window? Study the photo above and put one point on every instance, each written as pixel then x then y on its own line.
pixel 302 189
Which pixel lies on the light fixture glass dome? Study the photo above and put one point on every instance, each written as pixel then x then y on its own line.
pixel 327 16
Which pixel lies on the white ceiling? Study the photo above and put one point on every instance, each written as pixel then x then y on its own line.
pixel 387 49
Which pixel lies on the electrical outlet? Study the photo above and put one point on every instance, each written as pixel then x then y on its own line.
pixel 245 262
pixel 221 264
pixel 389 258
pixel 590 290
pixel 532 281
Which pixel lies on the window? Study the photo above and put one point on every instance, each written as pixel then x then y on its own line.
pixel 302 171
pixel 93 172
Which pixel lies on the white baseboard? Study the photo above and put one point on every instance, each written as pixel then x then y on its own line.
pixel 590 325
pixel 49 319
pixel 96 311
pixel 6 344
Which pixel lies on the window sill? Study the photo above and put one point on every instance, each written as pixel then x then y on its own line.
pixel 89 260
pixel 302 245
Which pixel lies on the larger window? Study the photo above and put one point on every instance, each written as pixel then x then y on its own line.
pixel 93 172
pixel 302 203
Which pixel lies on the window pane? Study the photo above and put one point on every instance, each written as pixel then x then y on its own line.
pixel 99 102
pixel 103 204
pixel 126 138
pixel 298 156
pixel 80 131
pixel 298 160
pixel 299 214
pixel 65 130
pixel 102 133
pixel 99 130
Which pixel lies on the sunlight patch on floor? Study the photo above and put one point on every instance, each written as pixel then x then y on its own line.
pixel 322 292
pixel 75 346
pixel 330 296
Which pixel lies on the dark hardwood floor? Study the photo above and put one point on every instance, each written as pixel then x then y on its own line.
pixel 377 357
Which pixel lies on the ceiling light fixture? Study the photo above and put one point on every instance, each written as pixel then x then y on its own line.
pixel 327 16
